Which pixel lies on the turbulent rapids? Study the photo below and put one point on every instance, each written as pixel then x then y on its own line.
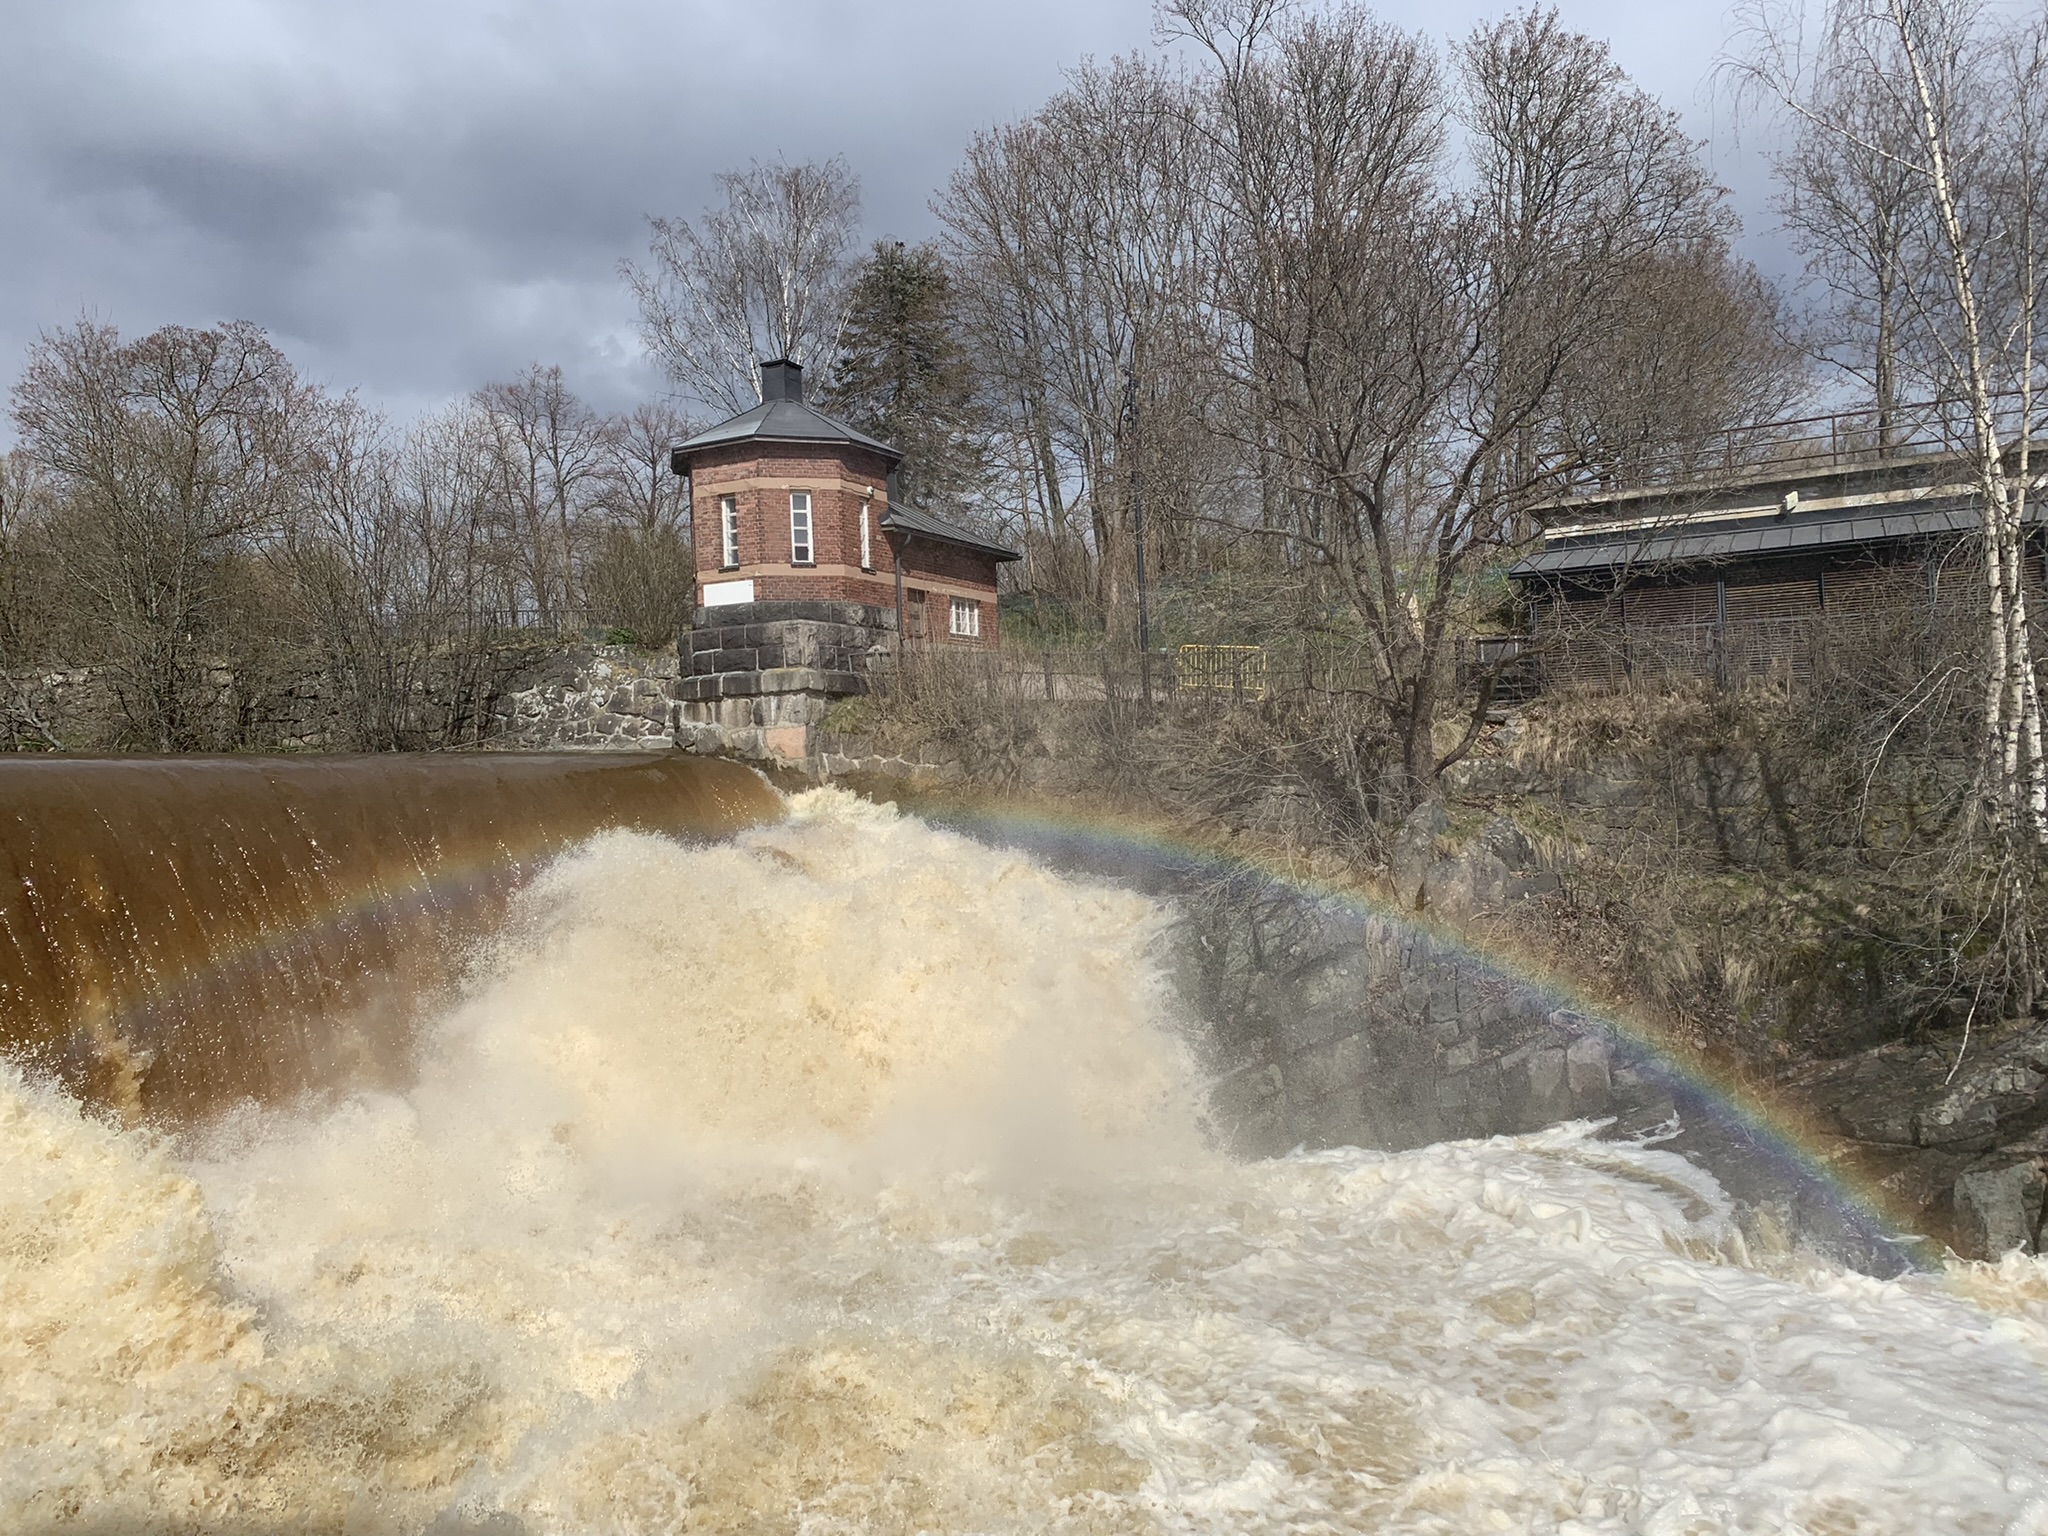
pixel 850 1176
pixel 178 934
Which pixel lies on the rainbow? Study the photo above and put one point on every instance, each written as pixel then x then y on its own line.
pixel 1092 840
pixel 463 889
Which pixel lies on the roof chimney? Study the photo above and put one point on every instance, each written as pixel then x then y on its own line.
pixel 782 380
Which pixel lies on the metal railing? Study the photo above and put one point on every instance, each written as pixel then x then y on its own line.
pixel 1857 438
pixel 1236 670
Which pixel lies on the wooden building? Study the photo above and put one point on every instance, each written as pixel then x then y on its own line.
pixel 1753 574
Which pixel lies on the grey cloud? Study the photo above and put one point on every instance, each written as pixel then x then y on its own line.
pixel 418 195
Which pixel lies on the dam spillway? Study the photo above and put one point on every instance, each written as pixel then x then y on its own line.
pixel 843 1175
pixel 176 934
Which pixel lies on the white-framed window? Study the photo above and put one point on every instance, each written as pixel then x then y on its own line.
pixel 729 532
pixel 867 548
pixel 966 618
pixel 800 528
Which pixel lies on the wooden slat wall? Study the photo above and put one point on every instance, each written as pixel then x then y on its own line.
pixel 1785 627
pixel 1656 607
pixel 1770 627
pixel 1581 643
pixel 1672 630
pixel 1752 601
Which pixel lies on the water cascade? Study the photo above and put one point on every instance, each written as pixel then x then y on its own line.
pixel 177 934
pixel 851 1176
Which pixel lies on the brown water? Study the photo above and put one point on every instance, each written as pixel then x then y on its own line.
pixel 177 934
pixel 846 1177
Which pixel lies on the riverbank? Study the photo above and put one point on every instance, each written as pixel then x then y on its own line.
pixel 1666 869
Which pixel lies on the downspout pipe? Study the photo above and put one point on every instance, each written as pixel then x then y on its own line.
pixel 897 547
pixel 899 542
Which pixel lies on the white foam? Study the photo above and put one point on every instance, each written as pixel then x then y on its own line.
pixel 849 1178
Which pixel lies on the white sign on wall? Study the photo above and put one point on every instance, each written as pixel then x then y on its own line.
pixel 722 594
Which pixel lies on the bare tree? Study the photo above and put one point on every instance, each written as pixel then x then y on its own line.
pixel 550 470
pixel 639 574
pixel 765 276
pixel 1076 236
pixel 1953 101
pixel 389 567
pixel 1407 337
pixel 1702 343
pixel 1852 203
pixel 174 454
pixel 27 503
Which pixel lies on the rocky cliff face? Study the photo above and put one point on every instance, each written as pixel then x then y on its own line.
pixel 1333 1028
pixel 1958 1132
pixel 1954 1130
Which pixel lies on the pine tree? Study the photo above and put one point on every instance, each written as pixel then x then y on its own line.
pixel 903 374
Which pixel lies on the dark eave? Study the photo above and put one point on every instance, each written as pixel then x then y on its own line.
pixel 779 421
pixel 1674 544
pixel 925 525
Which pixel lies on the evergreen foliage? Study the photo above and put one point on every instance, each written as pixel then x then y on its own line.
pixel 903 373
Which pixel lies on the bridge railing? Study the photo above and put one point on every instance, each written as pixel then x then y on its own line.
pixel 1845 439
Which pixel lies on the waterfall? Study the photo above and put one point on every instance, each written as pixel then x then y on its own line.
pixel 845 1175
pixel 177 934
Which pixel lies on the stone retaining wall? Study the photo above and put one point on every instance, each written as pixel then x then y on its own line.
pixel 530 696
pixel 595 698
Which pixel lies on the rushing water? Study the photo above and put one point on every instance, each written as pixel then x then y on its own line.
pixel 178 933
pixel 851 1177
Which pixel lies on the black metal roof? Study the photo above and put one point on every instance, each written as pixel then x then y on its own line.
pixel 927 525
pixel 1675 543
pixel 780 421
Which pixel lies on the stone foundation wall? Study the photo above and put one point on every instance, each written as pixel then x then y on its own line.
pixel 532 697
pixel 757 678
pixel 598 698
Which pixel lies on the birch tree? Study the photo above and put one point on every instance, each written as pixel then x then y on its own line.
pixel 766 275
pixel 1952 100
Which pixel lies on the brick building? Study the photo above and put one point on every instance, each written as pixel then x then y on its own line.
pixel 790 506
pixel 810 573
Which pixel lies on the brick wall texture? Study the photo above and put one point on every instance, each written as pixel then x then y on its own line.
pixel 760 478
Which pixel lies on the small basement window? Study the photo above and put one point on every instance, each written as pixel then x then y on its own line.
pixel 729 532
pixel 966 618
pixel 800 528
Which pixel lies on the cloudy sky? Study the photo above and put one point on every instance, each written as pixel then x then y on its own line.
pixel 416 196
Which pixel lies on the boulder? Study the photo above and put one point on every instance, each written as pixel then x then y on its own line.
pixel 1999 1209
pixel 1589 1073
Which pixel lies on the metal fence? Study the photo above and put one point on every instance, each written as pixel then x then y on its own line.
pixel 1315 672
pixel 1798 650
pixel 1207 671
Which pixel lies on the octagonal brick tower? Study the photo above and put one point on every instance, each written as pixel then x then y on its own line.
pixel 806 570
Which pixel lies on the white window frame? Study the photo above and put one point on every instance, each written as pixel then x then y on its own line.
pixel 966 618
pixel 803 547
pixel 867 548
pixel 729 532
